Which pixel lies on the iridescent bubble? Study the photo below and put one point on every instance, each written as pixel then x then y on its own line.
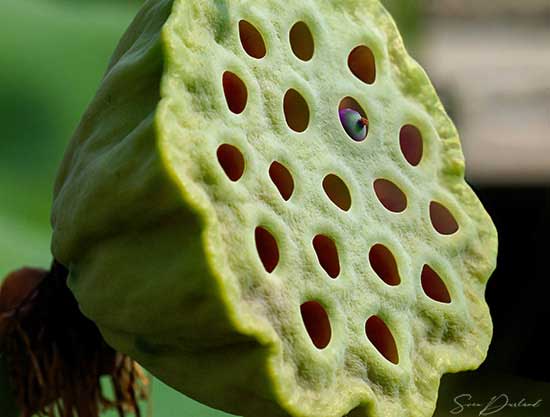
pixel 355 125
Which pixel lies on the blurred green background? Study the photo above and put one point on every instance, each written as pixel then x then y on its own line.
pixel 52 57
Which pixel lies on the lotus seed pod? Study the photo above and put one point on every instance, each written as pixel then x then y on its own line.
pixel 222 228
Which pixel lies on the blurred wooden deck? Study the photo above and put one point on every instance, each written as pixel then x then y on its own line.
pixel 496 77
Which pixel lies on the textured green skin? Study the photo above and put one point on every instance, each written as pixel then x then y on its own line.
pixel 160 244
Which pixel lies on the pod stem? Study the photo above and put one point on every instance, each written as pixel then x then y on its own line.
pixel 55 356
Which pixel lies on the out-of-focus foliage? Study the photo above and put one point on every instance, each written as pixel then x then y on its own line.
pixel 53 54
pixel 112 2
pixel 408 16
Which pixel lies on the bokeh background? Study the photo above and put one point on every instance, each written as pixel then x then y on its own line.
pixel 489 61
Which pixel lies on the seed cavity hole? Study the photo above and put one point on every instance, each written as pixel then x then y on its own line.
pixel 317 323
pixel 282 178
pixel 337 191
pixel 410 140
pixel 301 41
pixel 235 92
pixel 442 219
pixel 251 40
pixel 433 285
pixel 362 64
pixel 296 111
pixel 327 254
pixel 384 264
pixel 231 160
pixel 267 248
pixel 390 195
pixel 381 337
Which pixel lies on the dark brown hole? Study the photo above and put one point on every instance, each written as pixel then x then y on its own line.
pixel 232 161
pixel 337 191
pixel 235 92
pixel 301 41
pixel 251 40
pixel 296 111
pixel 362 65
pixel 390 195
pixel 267 248
pixel 327 254
pixel 410 140
pixel 282 178
pixel 317 323
pixel 382 339
pixel 383 263
pixel 442 219
pixel 433 285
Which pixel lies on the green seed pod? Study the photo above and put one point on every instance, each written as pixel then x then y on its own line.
pixel 222 229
